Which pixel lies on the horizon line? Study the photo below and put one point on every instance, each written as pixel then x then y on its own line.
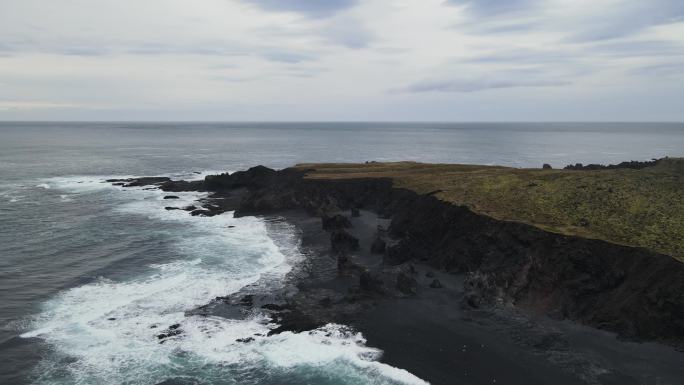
pixel 353 121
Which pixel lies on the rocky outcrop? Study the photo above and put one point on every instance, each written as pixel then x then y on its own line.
pixel 632 291
pixel 342 243
pixel 406 283
pixel 378 246
pixel 371 282
pixel 335 222
pixel 632 164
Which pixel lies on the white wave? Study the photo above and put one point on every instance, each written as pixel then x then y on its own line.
pixel 332 344
pixel 43 185
pixel 107 330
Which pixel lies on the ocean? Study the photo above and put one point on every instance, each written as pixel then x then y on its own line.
pixel 90 272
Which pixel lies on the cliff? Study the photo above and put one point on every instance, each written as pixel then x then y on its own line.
pixel 634 291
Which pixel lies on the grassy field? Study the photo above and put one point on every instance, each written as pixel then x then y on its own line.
pixel 631 207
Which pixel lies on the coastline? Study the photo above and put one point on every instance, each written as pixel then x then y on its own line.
pixel 433 332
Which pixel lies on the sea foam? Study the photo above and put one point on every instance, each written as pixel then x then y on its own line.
pixel 107 331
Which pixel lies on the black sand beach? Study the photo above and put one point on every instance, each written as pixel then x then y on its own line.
pixel 420 316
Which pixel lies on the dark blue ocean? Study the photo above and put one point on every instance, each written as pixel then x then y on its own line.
pixel 88 271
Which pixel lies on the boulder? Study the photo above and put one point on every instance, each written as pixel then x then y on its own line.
pixel 378 246
pixel 370 282
pixel 342 242
pixel 171 197
pixel 481 290
pixel 397 254
pixel 355 213
pixel 436 284
pixel 342 261
pixel 406 283
pixel 547 166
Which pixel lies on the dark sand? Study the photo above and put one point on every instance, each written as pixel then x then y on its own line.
pixel 429 333
pixel 432 336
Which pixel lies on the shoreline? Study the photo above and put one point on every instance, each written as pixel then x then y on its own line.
pixel 433 331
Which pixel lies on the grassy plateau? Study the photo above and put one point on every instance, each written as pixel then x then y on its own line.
pixel 643 208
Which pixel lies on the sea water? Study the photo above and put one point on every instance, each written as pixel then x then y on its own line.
pixel 91 273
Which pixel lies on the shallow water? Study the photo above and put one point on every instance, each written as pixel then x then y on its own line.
pixel 91 273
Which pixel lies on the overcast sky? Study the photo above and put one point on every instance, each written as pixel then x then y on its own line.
pixel 426 60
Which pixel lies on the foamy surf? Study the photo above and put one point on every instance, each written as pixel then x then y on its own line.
pixel 107 331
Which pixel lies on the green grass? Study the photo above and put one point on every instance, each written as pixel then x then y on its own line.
pixel 632 207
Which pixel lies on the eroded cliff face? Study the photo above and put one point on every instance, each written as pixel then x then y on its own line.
pixel 634 292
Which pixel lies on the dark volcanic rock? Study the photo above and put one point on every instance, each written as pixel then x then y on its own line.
pixel 254 177
pixel 480 290
pixel 171 197
pixel 371 282
pixel 139 182
pixel 342 261
pixel 172 330
pixel 202 213
pixel 341 242
pixel 378 246
pixel 398 254
pixel 632 164
pixel 631 291
pixel 355 213
pixel 435 284
pixel 181 185
pixel 275 307
pixel 171 208
pixel 247 300
pixel 163 183
pixel 406 283
pixel 294 321
pixel 335 222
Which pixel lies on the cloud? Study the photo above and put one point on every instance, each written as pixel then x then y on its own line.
pixel 672 69
pixel 626 18
pixel 348 32
pixel 286 57
pixel 21 105
pixel 639 48
pixel 524 56
pixel 337 59
pixel 475 85
pixel 314 8
pixel 494 7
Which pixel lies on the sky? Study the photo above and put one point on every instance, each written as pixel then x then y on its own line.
pixel 342 60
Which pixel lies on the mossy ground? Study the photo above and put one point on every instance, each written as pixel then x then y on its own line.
pixel 632 207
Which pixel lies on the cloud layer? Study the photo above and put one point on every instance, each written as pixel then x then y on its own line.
pixel 342 60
